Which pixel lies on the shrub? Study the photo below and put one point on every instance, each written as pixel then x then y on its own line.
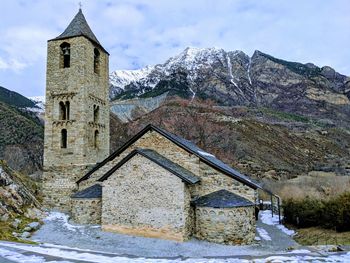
pixel 308 212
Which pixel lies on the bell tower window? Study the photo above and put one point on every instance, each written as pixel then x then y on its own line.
pixel 67 109
pixel 64 138
pixel 65 55
pixel 96 113
pixel 96 138
pixel 96 61
pixel 64 110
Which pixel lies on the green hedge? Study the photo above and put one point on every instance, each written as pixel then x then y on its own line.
pixel 308 212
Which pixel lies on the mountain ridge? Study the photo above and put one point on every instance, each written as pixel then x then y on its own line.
pixel 232 78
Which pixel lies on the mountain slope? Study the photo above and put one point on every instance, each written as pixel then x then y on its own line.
pixel 258 141
pixel 21 133
pixel 233 78
pixel 15 99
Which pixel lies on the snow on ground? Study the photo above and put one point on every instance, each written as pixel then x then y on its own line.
pixel 62 217
pixel 29 254
pixel 18 257
pixel 299 251
pixel 263 234
pixel 267 219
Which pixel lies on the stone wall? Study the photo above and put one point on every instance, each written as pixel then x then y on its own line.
pixel 233 226
pixel 83 89
pixel 58 185
pixel 86 210
pixel 211 180
pixel 142 198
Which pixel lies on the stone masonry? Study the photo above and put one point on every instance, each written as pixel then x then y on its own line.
pixel 86 211
pixel 232 226
pixel 84 124
pixel 211 180
pixel 142 198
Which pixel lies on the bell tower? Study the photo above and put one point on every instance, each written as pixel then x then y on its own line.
pixel 77 110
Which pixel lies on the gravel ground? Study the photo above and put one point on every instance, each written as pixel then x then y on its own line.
pixel 58 230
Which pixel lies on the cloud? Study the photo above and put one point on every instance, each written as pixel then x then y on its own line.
pixel 13 64
pixel 142 32
pixel 23 45
pixel 124 16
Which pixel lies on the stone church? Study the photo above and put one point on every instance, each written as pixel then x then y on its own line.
pixel 156 185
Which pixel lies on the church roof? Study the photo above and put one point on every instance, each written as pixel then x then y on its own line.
pixel 79 27
pixel 222 199
pixel 94 191
pixel 190 147
pixel 159 159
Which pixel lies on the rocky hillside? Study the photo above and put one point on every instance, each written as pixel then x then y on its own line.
pixel 260 142
pixel 233 78
pixel 18 202
pixel 21 132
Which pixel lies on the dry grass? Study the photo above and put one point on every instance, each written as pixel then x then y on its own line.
pixel 318 186
pixel 320 236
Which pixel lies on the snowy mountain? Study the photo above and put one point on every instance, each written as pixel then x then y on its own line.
pixel 39 104
pixel 192 62
pixel 232 78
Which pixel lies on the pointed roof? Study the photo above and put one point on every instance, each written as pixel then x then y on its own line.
pixel 159 159
pixel 94 191
pixel 79 27
pixel 222 199
pixel 188 146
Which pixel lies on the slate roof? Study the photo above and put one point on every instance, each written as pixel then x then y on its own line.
pixel 222 199
pixel 159 159
pixel 79 27
pixel 94 191
pixel 190 147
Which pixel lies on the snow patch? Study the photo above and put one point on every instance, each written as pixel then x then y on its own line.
pixel 229 66
pixel 90 257
pixel 248 71
pixel 299 251
pixel 17 257
pixel 263 234
pixel 268 219
pixel 122 78
pixel 39 103
pixel 57 216
pixel 205 154
pixel 193 94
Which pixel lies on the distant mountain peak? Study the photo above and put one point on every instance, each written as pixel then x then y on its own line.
pixel 233 78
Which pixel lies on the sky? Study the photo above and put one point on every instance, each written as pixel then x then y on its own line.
pixel 137 33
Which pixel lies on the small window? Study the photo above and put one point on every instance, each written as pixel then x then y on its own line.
pixel 64 138
pixel 63 111
pixel 96 113
pixel 96 61
pixel 96 138
pixel 65 55
pixel 67 109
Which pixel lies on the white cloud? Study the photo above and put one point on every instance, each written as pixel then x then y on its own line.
pixel 141 32
pixel 124 16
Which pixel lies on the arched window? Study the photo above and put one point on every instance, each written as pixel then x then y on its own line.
pixel 65 55
pixel 67 109
pixel 63 111
pixel 64 138
pixel 96 61
pixel 96 113
pixel 96 139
